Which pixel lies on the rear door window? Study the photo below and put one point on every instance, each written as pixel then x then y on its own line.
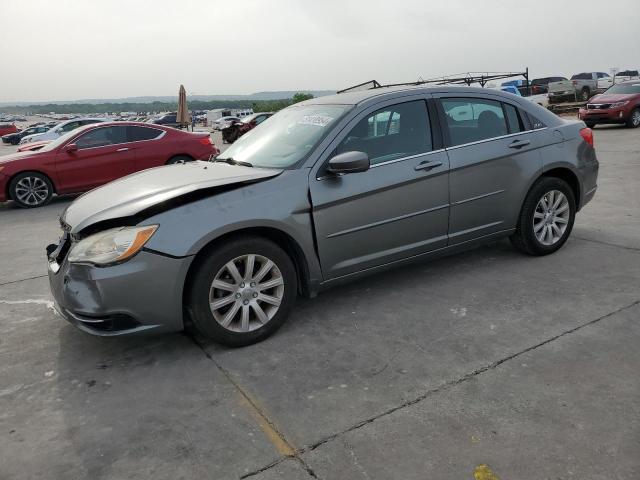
pixel 473 119
pixel 391 133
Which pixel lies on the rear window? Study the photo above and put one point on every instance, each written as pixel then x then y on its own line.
pixel 582 76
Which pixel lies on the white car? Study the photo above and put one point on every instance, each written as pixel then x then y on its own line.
pixel 224 122
pixel 60 129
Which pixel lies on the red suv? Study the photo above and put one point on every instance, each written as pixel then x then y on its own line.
pixel 93 155
pixel 618 104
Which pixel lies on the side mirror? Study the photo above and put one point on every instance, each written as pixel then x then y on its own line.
pixel 71 147
pixel 349 162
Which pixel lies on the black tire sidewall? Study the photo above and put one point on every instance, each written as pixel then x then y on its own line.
pixel 211 263
pixel 20 176
pixel 630 121
pixel 524 230
pixel 179 158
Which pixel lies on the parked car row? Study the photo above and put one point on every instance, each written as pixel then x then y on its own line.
pixel 14 138
pixel 92 155
pixel 234 129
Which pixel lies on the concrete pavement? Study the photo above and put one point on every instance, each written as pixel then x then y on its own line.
pixel 489 362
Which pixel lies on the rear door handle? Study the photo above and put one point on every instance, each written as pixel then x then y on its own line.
pixel 427 165
pixel 519 143
pixel 124 149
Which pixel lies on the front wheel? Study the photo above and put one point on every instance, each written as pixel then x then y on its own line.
pixel 634 119
pixel 243 291
pixel 546 218
pixel 585 94
pixel 31 189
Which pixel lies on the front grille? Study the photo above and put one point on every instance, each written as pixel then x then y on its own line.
pixel 598 106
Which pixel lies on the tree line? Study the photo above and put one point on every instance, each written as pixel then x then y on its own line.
pixel 257 106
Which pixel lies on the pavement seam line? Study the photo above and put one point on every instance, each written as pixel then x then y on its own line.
pixel 635 249
pixel 464 378
pixel 21 280
pixel 446 386
pixel 270 429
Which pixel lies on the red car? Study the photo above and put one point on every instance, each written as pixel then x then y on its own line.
pixel 93 155
pixel 618 104
pixel 33 146
pixel 7 128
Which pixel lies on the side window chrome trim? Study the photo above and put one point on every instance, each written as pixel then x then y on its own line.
pixel 494 138
pixel 409 157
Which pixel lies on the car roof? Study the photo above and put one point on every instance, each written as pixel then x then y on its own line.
pixel 361 96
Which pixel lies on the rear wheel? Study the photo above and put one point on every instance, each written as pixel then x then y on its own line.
pixel 546 218
pixel 243 291
pixel 634 119
pixel 585 94
pixel 31 189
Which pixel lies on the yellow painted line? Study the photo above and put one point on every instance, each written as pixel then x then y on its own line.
pixel 483 472
pixel 267 426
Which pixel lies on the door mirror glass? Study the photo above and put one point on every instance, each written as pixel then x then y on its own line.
pixel 349 162
pixel 72 147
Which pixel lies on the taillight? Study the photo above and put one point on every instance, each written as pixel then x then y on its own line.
pixel 206 141
pixel 587 134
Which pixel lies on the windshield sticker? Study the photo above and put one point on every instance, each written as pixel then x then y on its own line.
pixel 317 120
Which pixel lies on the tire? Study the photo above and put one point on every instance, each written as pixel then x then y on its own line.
pixel 528 230
pixel 590 124
pixel 240 303
pixel 179 159
pixel 585 94
pixel 31 189
pixel 634 119
pixel 15 141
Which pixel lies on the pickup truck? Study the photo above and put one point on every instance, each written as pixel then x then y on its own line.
pixel 561 91
pixel 586 84
pixel 623 76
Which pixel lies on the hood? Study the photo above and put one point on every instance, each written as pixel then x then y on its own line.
pixel 612 97
pixel 150 189
pixel 13 157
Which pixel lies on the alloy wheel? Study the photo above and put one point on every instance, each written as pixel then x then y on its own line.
pixel 635 118
pixel 551 217
pixel 246 293
pixel 32 191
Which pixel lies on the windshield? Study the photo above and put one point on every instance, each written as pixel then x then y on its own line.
pixel 628 89
pixel 287 137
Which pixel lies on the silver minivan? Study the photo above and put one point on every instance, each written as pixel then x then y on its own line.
pixel 322 192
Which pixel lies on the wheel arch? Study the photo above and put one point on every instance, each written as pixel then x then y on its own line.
pixel 179 155
pixel 279 237
pixel 12 177
pixel 569 176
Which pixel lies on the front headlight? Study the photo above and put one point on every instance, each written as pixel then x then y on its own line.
pixel 619 104
pixel 111 246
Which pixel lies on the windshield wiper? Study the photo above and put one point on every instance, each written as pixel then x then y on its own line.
pixel 231 161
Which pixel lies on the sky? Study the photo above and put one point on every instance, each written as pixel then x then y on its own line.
pixel 76 49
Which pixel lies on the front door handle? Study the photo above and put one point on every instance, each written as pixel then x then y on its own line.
pixel 124 149
pixel 427 165
pixel 519 143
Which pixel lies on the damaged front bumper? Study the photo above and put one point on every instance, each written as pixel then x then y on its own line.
pixel 141 295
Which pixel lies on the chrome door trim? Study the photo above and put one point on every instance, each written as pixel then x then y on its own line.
pixel 494 138
pixel 409 157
